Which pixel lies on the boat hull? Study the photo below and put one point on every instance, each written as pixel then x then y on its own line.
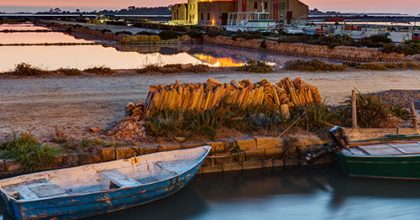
pixel 82 206
pixel 396 167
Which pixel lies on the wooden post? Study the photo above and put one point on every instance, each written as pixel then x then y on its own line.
pixel 414 121
pixel 354 108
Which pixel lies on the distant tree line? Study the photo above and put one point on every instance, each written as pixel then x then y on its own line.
pixel 132 10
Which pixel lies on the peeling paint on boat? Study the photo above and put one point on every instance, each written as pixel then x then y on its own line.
pixel 86 194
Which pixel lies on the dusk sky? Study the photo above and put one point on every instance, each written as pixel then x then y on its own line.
pixel 400 6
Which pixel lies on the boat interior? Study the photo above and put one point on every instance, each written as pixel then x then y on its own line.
pixel 387 149
pixel 133 172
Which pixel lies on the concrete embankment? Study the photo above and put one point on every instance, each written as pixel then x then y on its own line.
pixel 244 153
pixel 345 53
pixel 356 54
pixel 235 154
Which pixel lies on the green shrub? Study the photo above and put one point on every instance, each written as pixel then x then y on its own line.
pixel 198 35
pixel 25 69
pixel 399 112
pixel 189 123
pixel 407 48
pixel 313 117
pixel 375 41
pixel 372 112
pixel 31 154
pixel 100 70
pixel 256 67
pixel 313 65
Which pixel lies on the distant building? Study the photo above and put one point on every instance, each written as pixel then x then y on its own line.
pixel 180 13
pixel 215 12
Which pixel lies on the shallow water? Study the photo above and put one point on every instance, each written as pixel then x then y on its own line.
pixel 115 56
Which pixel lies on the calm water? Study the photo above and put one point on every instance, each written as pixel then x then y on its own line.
pixel 116 57
pixel 322 193
pixel 299 194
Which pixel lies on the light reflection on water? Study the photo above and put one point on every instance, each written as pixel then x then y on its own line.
pixel 117 56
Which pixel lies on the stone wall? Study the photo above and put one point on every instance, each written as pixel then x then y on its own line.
pixel 346 53
pixel 243 153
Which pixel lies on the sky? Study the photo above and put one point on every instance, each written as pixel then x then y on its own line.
pixel 394 6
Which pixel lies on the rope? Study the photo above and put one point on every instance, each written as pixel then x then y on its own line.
pixel 293 124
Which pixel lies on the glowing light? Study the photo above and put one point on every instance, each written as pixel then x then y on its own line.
pixel 218 61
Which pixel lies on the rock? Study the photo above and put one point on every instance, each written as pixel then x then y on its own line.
pixel 180 139
pixel 95 129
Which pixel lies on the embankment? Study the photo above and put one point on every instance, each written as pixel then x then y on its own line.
pixel 355 54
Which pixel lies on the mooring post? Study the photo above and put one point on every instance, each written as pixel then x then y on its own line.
pixel 354 108
pixel 414 121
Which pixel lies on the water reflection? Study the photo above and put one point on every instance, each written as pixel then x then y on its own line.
pixel 38 38
pixel 81 57
pixel 21 27
pixel 322 193
pixel 116 56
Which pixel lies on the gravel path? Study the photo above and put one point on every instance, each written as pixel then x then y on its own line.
pixel 74 104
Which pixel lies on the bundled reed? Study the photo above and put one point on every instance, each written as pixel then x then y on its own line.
pixel 285 94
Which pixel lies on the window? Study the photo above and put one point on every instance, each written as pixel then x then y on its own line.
pixel 265 5
pixel 202 16
pixel 255 5
pixel 208 16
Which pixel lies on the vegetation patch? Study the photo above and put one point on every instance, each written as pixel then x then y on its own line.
pixel 140 39
pixel 103 70
pixel 385 66
pixel 372 112
pixel 174 68
pixel 256 67
pixel 407 48
pixel 24 69
pixel 70 71
pixel 29 152
pixel 168 35
pixel 313 65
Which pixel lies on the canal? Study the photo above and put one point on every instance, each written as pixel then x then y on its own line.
pixel 294 194
pixel 319 193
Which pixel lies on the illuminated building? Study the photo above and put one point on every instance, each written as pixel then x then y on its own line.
pixel 215 12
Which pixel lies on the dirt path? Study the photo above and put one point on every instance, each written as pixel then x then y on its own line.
pixel 74 104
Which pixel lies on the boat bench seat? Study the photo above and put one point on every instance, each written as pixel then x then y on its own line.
pixel 40 189
pixel 118 178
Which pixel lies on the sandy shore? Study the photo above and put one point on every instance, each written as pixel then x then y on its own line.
pixel 74 104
